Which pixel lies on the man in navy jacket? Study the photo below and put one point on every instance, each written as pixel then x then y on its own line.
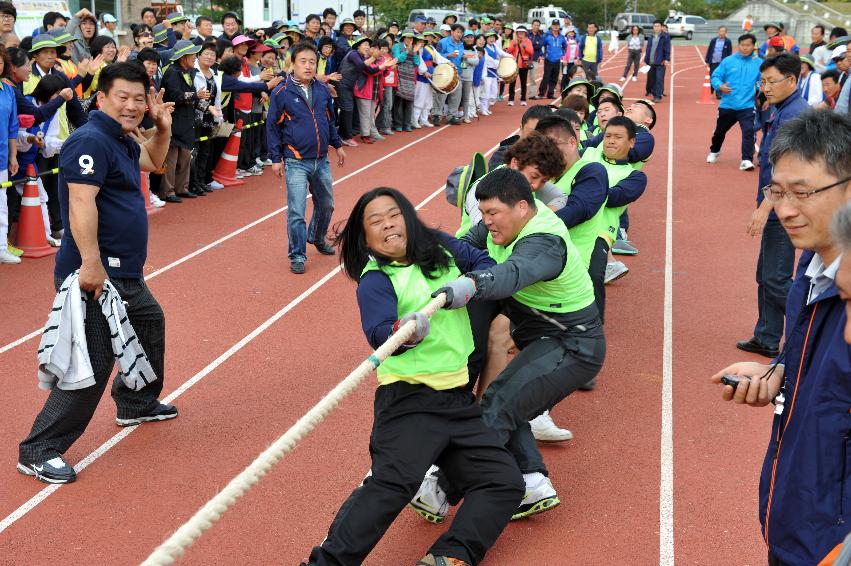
pixel 804 492
pixel 720 47
pixel 658 55
pixel 300 127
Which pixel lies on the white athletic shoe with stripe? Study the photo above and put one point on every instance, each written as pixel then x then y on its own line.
pixel 540 496
pixel 430 501
pixel 545 430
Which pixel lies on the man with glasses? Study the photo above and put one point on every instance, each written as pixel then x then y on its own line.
pixel 776 261
pixel 803 493
pixel 8 17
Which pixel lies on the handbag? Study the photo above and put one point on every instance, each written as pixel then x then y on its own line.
pixel 222 130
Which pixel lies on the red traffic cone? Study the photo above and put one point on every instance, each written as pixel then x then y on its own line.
pixel 225 171
pixel 31 235
pixel 706 93
pixel 146 193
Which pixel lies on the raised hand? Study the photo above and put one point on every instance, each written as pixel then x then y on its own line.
pixel 160 111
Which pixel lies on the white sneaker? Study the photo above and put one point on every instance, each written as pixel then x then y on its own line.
pixel 467 120
pixel 215 186
pixel 712 157
pixel 416 126
pixel 240 173
pixel 622 79
pixel 259 162
pixel 511 103
pixel 156 202
pixel 522 103
pixel 426 124
pixel 614 271
pixel 430 501
pixel 545 430
pixel 54 243
pixel 267 163
pixel 634 79
pixel 8 257
pixel 746 165
pixel 540 496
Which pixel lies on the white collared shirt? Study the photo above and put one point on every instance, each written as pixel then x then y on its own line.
pixel 821 276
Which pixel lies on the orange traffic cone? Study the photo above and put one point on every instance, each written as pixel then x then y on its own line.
pixel 225 171
pixel 145 186
pixel 706 93
pixel 31 235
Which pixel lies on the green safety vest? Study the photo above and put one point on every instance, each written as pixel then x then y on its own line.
pixel 617 172
pixel 466 225
pixel 571 290
pixel 583 235
pixel 439 361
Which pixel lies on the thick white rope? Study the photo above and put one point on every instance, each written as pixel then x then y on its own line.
pixel 206 516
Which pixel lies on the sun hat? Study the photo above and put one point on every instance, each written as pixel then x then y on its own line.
pixel 184 47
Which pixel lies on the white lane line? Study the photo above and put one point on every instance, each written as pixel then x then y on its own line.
pixel 39 497
pixel 238 231
pixel 666 480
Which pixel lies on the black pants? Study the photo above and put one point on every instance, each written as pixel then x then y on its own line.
pixel 544 372
pixel 524 75
pixel 774 561
pixel 590 70
pixel 202 168
pixel 712 67
pixel 651 80
pixel 416 426
pixel 402 112
pixel 246 142
pixel 774 270
pixel 51 187
pixel 346 98
pixel 597 271
pixel 633 59
pixel 565 77
pixel 727 118
pixel 549 80
pixel 66 414
pixel 657 89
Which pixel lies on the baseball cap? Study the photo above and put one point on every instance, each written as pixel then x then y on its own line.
pixel 776 41
pixel 420 19
pixel 109 19
pixel 431 21
pixel 445 27
pixel 839 52
pixel 555 23
pixel 522 28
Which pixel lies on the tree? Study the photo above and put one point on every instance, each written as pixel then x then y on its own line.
pixel 484 6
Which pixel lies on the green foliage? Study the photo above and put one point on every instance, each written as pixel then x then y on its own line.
pixel 484 6
pixel 219 8
pixel 387 10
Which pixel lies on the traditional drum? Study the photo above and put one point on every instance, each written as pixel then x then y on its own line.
pixel 507 70
pixel 445 78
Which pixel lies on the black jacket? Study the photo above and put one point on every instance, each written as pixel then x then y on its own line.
pixel 725 52
pixel 179 88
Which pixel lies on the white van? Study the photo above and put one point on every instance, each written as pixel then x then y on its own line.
pixel 438 15
pixel 546 15
pixel 683 25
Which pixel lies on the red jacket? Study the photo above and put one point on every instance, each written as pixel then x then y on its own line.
pixel 523 52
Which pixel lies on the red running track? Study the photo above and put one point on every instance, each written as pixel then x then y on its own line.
pixel 135 493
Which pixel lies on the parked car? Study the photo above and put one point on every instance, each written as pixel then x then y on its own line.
pixel 438 15
pixel 546 14
pixel 625 20
pixel 682 25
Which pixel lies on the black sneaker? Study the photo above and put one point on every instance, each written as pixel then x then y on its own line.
pixel 297 267
pixel 55 470
pixel 161 412
pixel 324 248
pixel 755 347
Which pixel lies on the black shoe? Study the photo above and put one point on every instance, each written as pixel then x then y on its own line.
pixel 454 122
pixel 173 198
pixel 198 192
pixel 536 97
pixel 755 347
pixel 297 267
pixel 657 99
pixel 186 195
pixel 589 386
pixel 55 470
pixel 324 248
pixel 161 412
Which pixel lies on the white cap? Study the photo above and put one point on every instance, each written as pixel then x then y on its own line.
pixel 445 27
pixel 839 52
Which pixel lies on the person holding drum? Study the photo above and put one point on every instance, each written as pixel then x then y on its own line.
pixel 452 48
pixel 493 54
pixel 429 59
pixel 522 50
pixel 469 66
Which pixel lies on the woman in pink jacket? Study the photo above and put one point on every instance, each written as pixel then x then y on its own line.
pixel 521 49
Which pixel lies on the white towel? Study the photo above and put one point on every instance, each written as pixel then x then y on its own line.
pixel 63 356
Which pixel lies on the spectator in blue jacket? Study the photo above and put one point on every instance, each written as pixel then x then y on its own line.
pixel 735 79
pixel 776 261
pixel 803 493
pixel 720 48
pixel 300 127
pixel 658 55
pixel 554 45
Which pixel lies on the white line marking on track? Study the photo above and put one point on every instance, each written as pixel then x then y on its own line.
pixel 666 451
pixel 238 231
pixel 39 497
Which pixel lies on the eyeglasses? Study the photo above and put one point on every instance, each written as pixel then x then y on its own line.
pixel 7 17
pixel 773 194
pixel 764 83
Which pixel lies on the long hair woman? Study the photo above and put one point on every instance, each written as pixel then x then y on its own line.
pixel 424 414
pixel 8 152
pixel 634 47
